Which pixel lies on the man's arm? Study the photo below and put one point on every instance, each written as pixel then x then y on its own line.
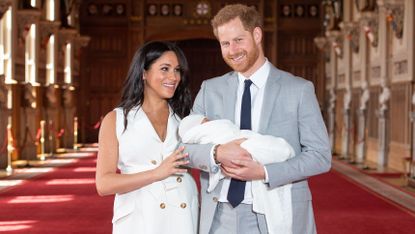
pixel 315 156
pixel 201 155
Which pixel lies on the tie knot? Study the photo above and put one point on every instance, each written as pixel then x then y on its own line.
pixel 248 83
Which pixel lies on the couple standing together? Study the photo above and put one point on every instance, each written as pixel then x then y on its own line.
pixel 154 192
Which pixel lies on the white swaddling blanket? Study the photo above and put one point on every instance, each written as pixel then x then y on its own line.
pixel 275 203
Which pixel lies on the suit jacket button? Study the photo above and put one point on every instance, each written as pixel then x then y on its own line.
pixel 162 205
pixel 179 179
pixel 154 162
pixel 215 199
pixel 183 205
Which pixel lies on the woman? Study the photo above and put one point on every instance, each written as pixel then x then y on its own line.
pixel 154 194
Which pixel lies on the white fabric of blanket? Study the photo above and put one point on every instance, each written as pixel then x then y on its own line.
pixel 275 203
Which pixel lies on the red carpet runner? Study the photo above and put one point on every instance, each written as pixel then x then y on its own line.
pixel 62 201
pixel 343 207
pixel 65 201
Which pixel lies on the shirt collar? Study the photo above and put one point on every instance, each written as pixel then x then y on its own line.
pixel 260 76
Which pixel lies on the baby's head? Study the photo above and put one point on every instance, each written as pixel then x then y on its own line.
pixel 189 122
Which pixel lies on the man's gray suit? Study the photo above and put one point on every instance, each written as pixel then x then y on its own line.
pixel 290 110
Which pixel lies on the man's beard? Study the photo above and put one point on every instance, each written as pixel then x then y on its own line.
pixel 249 60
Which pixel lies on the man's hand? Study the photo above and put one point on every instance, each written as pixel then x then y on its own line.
pixel 245 170
pixel 232 151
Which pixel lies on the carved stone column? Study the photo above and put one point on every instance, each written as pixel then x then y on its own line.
pixel 69 107
pixel 412 163
pixel 25 18
pixel 4 116
pixel 335 42
pixel 64 36
pixel 331 112
pixel 46 30
pixel 52 118
pixel 384 97
pixel 28 126
pixel 383 115
pixel 345 154
pixel 362 119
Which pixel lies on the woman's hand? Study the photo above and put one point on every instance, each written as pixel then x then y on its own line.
pixel 171 165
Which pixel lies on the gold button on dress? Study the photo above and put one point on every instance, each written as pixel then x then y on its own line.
pixel 162 205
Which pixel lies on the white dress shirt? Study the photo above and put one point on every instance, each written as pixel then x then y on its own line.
pixel 259 78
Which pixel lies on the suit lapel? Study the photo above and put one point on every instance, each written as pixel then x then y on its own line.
pixel 272 90
pixel 229 97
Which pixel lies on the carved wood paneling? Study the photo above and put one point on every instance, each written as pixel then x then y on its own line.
pixel 107 42
pixel 299 56
pixel 203 67
pixel 298 23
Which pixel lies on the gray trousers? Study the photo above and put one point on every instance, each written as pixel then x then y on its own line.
pixel 229 220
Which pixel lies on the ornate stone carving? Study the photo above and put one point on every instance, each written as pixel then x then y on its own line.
pixel 46 29
pixel 66 35
pixel 370 24
pixel 332 14
pixel 347 99
pixel 365 96
pixel 25 18
pixel 400 67
pixel 352 32
pixel 395 16
pixel 4 6
pixel 365 5
pixel 321 42
pixel 384 96
pixel 336 40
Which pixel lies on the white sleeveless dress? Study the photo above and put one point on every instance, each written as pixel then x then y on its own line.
pixel 167 206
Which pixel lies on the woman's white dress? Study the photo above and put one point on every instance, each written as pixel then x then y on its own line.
pixel 167 206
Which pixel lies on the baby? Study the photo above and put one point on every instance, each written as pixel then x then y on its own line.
pixel 265 149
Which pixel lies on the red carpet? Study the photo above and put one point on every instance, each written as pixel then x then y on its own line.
pixel 62 201
pixel 343 207
pixel 65 201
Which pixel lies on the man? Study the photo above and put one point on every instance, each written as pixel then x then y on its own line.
pixel 256 96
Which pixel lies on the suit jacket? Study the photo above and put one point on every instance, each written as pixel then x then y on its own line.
pixel 290 110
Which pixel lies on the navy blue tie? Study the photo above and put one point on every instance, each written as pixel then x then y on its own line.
pixel 236 190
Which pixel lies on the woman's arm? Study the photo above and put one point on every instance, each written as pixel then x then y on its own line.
pixel 108 181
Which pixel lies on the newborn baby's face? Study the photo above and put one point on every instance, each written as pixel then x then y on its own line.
pixel 205 120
